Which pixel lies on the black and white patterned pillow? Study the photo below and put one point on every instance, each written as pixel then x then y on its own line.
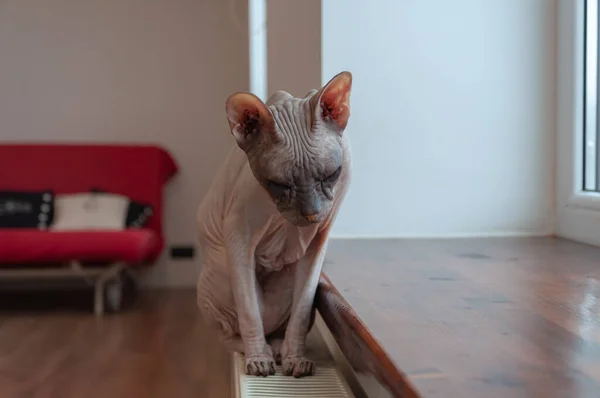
pixel 26 209
pixel 138 213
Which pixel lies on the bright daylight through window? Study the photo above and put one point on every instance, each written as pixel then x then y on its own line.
pixel 591 175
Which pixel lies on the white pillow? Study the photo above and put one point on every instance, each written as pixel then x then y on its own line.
pixel 80 211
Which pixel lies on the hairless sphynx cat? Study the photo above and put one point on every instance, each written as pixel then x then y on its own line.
pixel 264 224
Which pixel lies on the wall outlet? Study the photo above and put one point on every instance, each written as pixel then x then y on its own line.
pixel 182 252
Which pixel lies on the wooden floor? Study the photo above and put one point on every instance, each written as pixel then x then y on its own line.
pixel 479 318
pixel 160 348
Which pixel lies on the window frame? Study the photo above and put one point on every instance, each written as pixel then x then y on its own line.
pixel 578 211
pixel 591 127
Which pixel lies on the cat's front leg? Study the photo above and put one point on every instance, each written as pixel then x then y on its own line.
pixel 308 270
pixel 258 354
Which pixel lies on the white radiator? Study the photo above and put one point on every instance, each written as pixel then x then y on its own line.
pixel 327 382
pixel 332 378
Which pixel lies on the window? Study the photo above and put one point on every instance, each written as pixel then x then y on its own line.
pixel 591 171
pixel 577 213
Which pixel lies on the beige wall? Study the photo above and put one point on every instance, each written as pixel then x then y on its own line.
pixel 293 46
pixel 130 71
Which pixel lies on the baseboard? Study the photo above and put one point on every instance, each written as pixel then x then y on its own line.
pixel 465 235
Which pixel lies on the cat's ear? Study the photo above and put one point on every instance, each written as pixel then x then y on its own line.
pixel 248 117
pixel 332 102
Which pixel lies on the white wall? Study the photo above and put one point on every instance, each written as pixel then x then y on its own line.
pixel 128 71
pixel 452 123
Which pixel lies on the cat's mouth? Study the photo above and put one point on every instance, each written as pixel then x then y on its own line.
pixel 304 221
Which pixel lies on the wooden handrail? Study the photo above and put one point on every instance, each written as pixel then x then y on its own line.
pixel 359 346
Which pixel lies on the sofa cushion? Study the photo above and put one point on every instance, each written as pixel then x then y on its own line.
pixel 27 246
pixel 98 211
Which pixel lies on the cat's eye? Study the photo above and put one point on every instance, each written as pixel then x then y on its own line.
pixel 332 178
pixel 277 188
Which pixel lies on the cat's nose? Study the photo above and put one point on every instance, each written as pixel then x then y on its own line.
pixel 311 217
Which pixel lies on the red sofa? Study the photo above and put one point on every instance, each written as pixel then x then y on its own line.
pixel 136 171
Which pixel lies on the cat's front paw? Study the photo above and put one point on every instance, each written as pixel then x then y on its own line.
pixel 260 365
pixel 298 366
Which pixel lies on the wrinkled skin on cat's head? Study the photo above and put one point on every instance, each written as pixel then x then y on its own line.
pixel 294 145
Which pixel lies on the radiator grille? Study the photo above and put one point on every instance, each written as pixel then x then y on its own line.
pixel 327 382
